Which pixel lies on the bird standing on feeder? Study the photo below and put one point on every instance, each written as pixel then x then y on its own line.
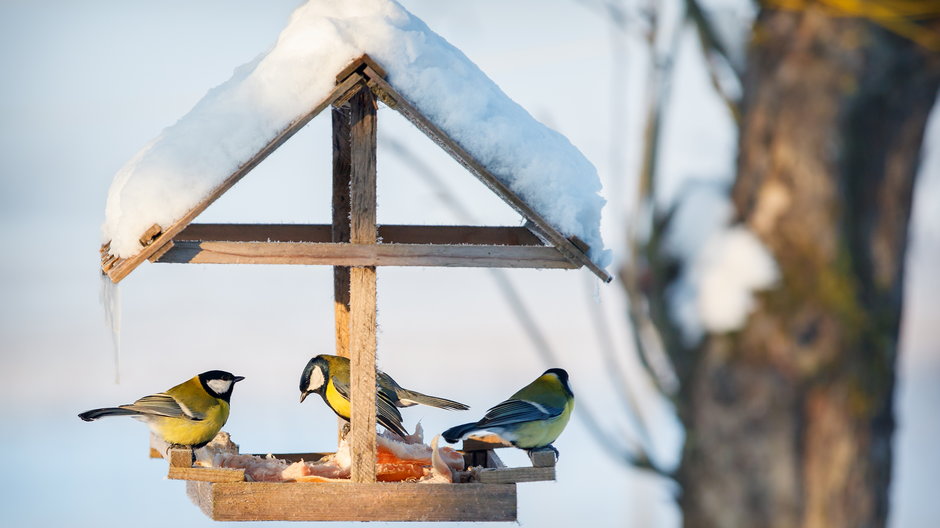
pixel 328 376
pixel 189 414
pixel 530 419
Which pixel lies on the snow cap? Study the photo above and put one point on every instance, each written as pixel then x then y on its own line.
pixel 232 122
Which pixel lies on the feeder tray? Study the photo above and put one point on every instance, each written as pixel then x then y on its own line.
pixel 485 492
pixel 355 245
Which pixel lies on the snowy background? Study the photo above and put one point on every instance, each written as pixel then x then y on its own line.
pixel 87 84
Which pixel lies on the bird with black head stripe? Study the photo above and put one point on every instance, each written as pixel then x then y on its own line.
pixel 328 376
pixel 188 415
pixel 530 419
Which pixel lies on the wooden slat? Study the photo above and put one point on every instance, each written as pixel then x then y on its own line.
pixel 382 501
pixel 403 106
pixel 512 475
pixel 362 301
pixel 124 266
pixel 206 474
pixel 387 234
pixel 185 252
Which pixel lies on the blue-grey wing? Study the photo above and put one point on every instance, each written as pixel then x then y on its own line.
pixel 163 404
pixel 517 411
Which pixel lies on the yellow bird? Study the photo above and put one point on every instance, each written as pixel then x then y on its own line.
pixel 189 414
pixel 530 419
pixel 328 376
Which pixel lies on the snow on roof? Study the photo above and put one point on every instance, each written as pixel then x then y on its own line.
pixel 233 121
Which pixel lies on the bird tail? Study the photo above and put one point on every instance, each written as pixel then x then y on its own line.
pixel 94 414
pixel 457 432
pixel 408 398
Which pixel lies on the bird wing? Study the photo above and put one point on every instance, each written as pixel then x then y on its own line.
pixel 385 407
pixel 516 411
pixel 162 404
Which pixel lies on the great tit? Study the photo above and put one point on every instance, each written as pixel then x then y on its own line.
pixel 328 376
pixel 190 414
pixel 530 419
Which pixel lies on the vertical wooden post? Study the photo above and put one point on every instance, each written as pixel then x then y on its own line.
pixel 341 170
pixel 362 300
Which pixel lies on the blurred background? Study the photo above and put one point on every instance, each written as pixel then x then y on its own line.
pixel 89 83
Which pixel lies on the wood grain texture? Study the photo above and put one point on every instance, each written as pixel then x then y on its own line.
pixel 122 267
pixel 366 255
pixel 179 457
pixel 206 474
pixel 362 302
pixel 387 234
pixel 513 475
pixel 432 131
pixel 301 501
pixel 339 230
pixel 542 458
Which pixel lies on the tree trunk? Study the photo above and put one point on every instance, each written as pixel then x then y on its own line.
pixel 789 420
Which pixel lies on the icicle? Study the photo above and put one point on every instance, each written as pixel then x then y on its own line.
pixel 110 298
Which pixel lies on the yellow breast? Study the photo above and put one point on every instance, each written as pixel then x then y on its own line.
pixel 188 432
pixel 337 402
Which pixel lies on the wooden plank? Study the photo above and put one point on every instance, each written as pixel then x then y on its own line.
pixel 206 474
pixel 381 501
pixel 387 234
pixel 395 100
pixel 185 252
pixel 362 301
pixel 124 266
pixel 513 475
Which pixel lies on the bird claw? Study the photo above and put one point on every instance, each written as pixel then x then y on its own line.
pixel 548 447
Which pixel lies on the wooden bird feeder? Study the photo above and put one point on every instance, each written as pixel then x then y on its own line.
pixel 355 246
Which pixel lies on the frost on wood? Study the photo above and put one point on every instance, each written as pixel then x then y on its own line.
pixel 189 159
pixel 722 265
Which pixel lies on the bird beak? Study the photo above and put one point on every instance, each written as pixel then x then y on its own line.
pixel 303 396
pixel 238 378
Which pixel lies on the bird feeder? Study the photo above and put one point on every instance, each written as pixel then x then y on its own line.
pixel 356 246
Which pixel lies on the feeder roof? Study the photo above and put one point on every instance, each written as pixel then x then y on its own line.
pixel 193 160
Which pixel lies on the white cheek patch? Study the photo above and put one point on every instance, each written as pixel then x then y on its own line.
pixel 316 379
pixel 219 386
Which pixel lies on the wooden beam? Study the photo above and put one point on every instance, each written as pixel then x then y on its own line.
pixel 122 267
pixel 395 100
pixel 305 253
pixel 362 302
pixel 387 234
pixel 380 501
